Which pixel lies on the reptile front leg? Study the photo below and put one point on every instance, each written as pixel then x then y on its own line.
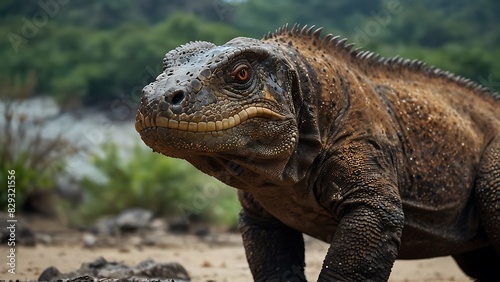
pixel 363 248
pixel 275 252
pixel 359 187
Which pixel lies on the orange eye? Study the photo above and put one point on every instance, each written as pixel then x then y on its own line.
pixel 241 73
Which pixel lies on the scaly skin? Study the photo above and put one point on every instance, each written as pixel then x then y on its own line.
pixel 381 158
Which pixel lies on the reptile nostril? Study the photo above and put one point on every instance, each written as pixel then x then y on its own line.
pixel 177 97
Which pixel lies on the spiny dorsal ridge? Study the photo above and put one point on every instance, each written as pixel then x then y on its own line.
pixel 359 54
pixel 327 39
pixel 349 46
pixel 369 58
pixel 310 30
pixel 414 64
pixel 303 30
pixel 316 33
pixel 341 43
pixel 376 57
pixel 282 30
pixel 334 40
pixel 470 83
pixel 403 61
pixel 392 60
pixel 356 52
pixel 285 28
pixel 446 73
pixel 367 55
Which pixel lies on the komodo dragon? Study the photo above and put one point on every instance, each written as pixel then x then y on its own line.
pixel 382 158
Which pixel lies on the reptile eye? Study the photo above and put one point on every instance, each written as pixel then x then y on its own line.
pixel 241 73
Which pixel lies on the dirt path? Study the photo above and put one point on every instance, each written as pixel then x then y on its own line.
pixel 217 259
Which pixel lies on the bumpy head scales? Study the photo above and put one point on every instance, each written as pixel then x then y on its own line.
pixel 233 99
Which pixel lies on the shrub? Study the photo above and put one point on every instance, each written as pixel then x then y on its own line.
pixel 166 186
pixel 36 158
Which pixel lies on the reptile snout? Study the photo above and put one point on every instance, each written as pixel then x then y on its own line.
pixel 171 102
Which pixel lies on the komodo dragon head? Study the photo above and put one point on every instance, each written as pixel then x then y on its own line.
pixel 224 108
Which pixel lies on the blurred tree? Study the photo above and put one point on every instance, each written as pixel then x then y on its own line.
pixel 258 16
pixel 113 13
pixel 99 64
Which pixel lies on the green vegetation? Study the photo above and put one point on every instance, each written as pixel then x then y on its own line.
pixel 96 65
pixel 166 186
pixel 36 159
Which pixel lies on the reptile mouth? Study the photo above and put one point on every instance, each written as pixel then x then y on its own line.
pixel 145 122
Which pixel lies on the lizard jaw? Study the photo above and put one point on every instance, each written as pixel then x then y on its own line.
pixel 144 122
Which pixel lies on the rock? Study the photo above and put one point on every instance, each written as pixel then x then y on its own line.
pixel 130 220
pixel 40 201
pixel 98 263
pixel 149 268
pixel 24 235
pixel 49 273
pixel 44 239
pixel 159 225
pixel 133 219
pixel 179 226
pixel 135 241
pixel 146 270
pixel 202 231
pixel 89 240
pixel 157 240
pixel 106 226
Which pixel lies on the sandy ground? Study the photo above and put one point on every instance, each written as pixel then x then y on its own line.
pixel 221 258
